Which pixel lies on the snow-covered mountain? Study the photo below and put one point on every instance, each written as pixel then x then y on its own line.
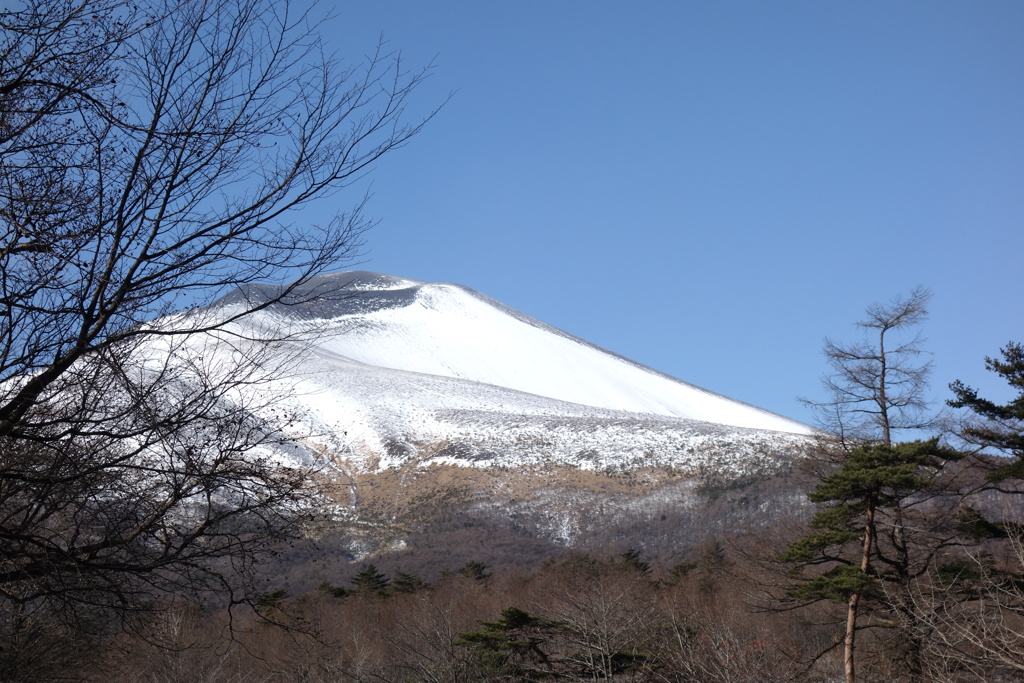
pixel 402 371
pixel 431 402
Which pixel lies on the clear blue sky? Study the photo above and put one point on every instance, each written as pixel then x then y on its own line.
pixel 710 188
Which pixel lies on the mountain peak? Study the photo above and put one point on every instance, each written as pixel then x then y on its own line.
pixel 449 331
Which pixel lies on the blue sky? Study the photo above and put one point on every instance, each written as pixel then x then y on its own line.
pixel 710 188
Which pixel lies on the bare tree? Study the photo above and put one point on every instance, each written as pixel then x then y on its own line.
pixel 605 613
pixel 149 156
pixel 974 610
pixel 705 644
pixel 877 385
pixel 877 521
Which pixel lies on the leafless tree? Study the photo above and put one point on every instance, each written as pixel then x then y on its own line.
pixel 877 385
pixel 150 154
pixel 888 509
pixel 704 645
pixel 974 611
pixel 606 616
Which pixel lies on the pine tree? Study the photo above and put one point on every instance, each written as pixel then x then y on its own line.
pixel 999 427
pixel 475 571
pixel 859 532
pixel 710 565
pixel 631 558
pixel 513 646
pixel 370 581
pixel 990 594
pixel 405 582
pixel 875 388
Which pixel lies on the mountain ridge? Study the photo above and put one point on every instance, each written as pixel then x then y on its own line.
pixel 448 330
pixel 430 407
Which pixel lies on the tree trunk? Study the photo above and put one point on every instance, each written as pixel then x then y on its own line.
pixel 850 642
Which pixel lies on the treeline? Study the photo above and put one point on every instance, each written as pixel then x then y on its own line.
pixel 578 618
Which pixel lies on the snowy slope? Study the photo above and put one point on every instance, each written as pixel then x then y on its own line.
pixel 450 331
pixel 387 372
pixel 374 418
pixel 421 401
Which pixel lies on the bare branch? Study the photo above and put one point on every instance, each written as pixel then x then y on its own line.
pixel 149 157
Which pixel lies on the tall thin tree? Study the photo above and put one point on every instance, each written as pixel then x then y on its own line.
pixel 876 387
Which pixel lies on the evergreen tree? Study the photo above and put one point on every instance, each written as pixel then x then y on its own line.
pixel 710 565
pixel 682 569
pixel 875 388
pixel 631 558
pixel 407 583
pixel 513 646
pixel 334 591
pixel 999 427
pixel 859 533
pixel 371 581
pixel 988 595
pixel 475 571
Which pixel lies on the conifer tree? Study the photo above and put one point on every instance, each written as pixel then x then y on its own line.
pixel 876 387
pixel 371 581
pixel 513 647
pixel 858 534
pixel 710 565
pixel 631 558
pixel 999 427
pixel 983 599
pixel 475 571
pixel 405 582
